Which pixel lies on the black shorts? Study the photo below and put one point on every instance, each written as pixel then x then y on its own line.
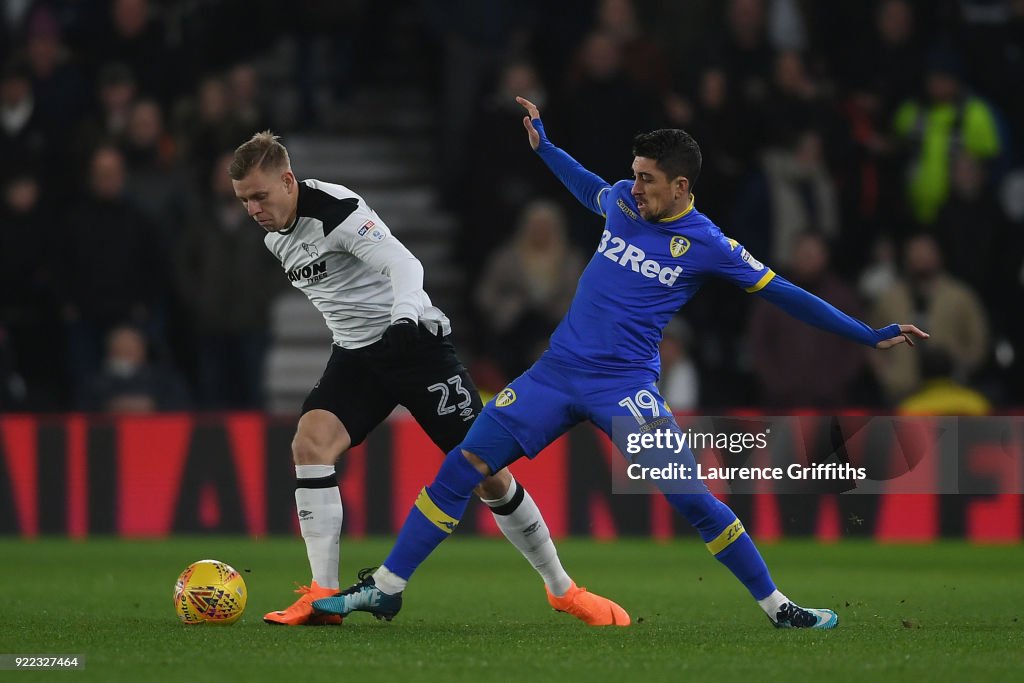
pixel 362 387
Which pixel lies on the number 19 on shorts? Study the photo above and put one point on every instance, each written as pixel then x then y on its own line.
pixel 642 400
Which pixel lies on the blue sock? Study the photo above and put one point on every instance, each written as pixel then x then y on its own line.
pixel 726 539
pixel 436 513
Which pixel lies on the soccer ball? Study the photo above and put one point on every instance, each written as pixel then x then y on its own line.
pixel 209 592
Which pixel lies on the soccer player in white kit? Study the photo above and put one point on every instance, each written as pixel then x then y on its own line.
pixel 390 347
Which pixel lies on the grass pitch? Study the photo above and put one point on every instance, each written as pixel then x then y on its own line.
pixel 476 612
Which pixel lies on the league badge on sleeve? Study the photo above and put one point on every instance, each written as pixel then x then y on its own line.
pixel 751 261
pixel 370 231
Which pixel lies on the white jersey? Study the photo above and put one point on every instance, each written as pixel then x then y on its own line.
pixel 342 256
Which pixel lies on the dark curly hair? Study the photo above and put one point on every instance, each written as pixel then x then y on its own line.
pixel 674 150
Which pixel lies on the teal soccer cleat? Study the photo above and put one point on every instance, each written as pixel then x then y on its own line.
pixel 361 597
pixel 791 615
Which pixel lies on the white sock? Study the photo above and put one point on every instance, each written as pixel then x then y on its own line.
pixel 525 527
pixel 388 581
pixel 773 603
pixel 320 516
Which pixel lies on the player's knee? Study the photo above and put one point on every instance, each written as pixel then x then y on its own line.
pixel 698 508
pixel 494 486
pixel 481 466
pixel 307 450
pixel 319 440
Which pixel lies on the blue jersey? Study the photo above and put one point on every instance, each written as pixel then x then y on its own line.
pixel 604 358
pixel 640 275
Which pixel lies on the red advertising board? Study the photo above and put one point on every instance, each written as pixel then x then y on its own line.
pixel 146 476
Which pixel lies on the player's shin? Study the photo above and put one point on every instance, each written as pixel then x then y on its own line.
pixel 520 520
pixel 318 503
pixel 433 518
pixel 726 539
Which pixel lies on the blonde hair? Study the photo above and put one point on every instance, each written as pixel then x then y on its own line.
pixel 262 151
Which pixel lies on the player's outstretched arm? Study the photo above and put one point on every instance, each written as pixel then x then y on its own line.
pixel 583 184
pixel 906 335
pixel 813 310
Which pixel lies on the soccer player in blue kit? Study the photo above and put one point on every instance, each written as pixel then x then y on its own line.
pixel 655 252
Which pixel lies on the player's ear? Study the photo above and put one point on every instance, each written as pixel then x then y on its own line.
pixel 682 187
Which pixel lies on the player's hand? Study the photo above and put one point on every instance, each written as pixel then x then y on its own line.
pixel 907 334
pixel 531 113
pixel 400 337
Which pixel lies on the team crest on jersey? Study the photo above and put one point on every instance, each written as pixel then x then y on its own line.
pixel 750 260
pixel 679 246
pixel 732 243
pixel 505 397
pixel 311 250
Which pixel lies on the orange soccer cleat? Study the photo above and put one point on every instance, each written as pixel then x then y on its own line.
pixel 301 611
pixel 590 608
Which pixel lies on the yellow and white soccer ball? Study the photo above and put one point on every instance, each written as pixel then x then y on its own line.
pixel 209 592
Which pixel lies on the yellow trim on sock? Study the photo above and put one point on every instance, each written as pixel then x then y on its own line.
pixel 725 539
pixel 438 517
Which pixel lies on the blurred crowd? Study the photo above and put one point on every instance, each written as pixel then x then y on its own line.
pixel 871 152
pixel 131 279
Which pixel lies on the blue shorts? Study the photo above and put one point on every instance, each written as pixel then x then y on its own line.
pixel 548 399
